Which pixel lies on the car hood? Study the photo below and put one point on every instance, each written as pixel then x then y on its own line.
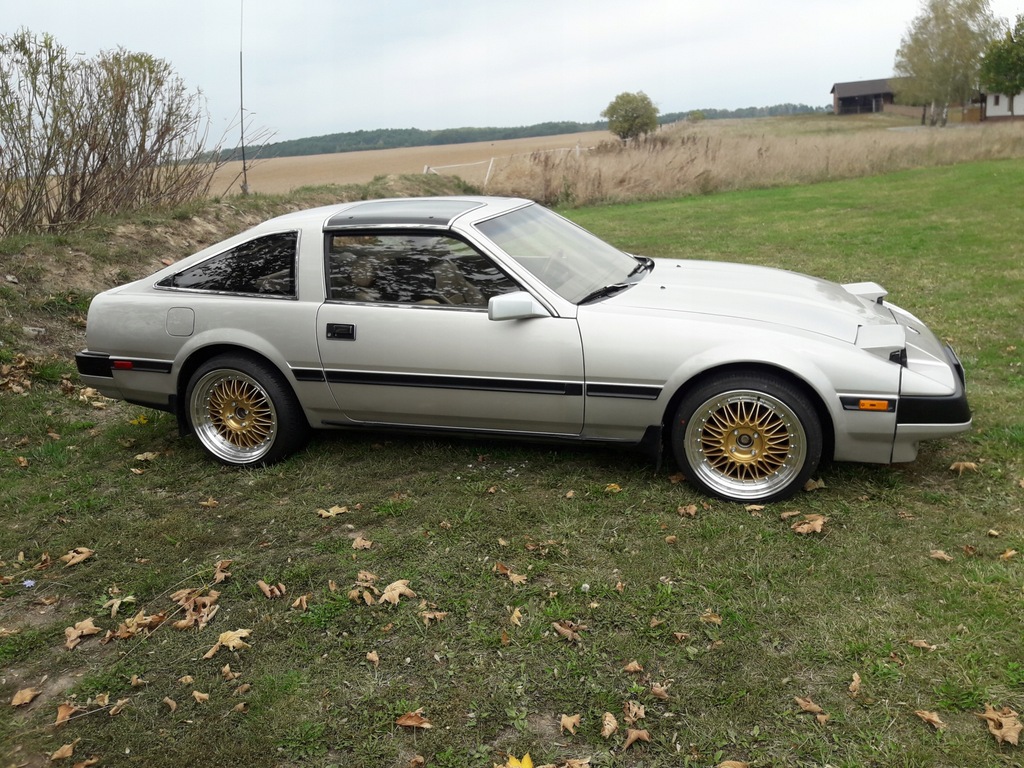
pixel 753 293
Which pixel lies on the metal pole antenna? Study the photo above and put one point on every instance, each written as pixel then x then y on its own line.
pixel 241 95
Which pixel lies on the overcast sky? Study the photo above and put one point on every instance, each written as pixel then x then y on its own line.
pixel 315 67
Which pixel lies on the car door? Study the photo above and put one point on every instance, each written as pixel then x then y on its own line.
pixel 405 340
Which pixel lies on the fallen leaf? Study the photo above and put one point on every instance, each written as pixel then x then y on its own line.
pixel 147 456
pixel 938 554
pixel 1008 554
pixel 76 555
pixel 613 488
pixel 993 533
pixel 1004 724
pixel 963 466
pixel 200 697
pixel 233 641
pixel 516 619
pixel 609 725
pixel 710 617
pixel 732 764
pixel 65 711
pixel 572 494
pixel 429 616
pixel 270 591
pixel 932 718
pixel 414 720
pixel 923 644
pixel 65 752
pixel 373 658
pixel 396 590
pixel 822 718
pixel 210 503
pixel 525 762
pixel 680 636
pixel 855 684
pixel 633 736
pixel 186 679
pixel 690 510
pixel 814 485
pixel 332 512
pixel 24 696
pixel 569 724
pixel 171 703
pixel 569 630
pixel 220 571
pixel 633 711
pixel 73 635
pixel 361 543
pixel 138 682
pixel 812 523
pixel 671 539
pixel 660 691
pixel 790 513
pixel 301 603
pixel 118 707
pixel 227 674
pixel 807 705
pixel 633 667
pixel 87 763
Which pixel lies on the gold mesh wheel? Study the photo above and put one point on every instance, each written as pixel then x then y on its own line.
pixel 233 416
pixel 747 444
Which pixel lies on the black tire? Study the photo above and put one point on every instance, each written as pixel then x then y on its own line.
pixel 243 412
pixel 747 437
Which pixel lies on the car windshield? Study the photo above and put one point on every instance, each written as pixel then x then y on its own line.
pixel 567 258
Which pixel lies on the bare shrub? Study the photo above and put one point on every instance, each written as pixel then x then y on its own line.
pixel 701 158
pixel 84 137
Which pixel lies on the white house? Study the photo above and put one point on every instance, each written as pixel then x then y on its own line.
pixel 997 106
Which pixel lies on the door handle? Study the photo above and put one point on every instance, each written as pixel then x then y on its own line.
pixel 341 331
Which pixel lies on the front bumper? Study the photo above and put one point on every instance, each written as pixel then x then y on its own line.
pixel 927 418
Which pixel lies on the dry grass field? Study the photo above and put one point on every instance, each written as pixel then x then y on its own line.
pixel 281 175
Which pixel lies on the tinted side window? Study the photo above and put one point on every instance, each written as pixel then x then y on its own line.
pixel 264 266
pixel 412 269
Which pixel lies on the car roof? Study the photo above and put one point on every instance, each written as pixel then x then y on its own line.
pixel 433 212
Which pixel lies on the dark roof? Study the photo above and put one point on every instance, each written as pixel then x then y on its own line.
pixel 862 88
pixel 421 212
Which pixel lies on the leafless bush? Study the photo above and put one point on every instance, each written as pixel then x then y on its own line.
pixel 722 155
pixel 85 137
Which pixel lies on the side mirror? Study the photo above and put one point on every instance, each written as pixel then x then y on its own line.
pixel 518 305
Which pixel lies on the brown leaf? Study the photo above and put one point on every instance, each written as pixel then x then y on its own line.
pixel 414 720
pixel 210 503
pixel 87 763
pixel 361 543
pixel 332 512
pixel 220 571
pixel 660 691
pixel 186 679
pixel 171 703
pixel 1008 554
pixel 812 523
pixel 923 644
pixel 963 466
pixel 938 554
pixel 633 667
pixel 24 696
pixel 76 555
pixel 569 724
pixel 65 752
pixel 301 603
pixel 429 616
pixel 373 658
pixel 690 510
pixel 633 736
pixel 396 590
pixel 932 718
pixel 807 705
pixel 568 630
pixel 613 488
pixel 73 635
pixel 732 764
pixel 609 725
pixel 200 697
pixel 227 674
pixel 790 513
pixel 814 485
pixel 270 591
pixel 233 641
pixel 138 682
pixel 118 707
pixel 680 636
pixel 65 712
pixel 855 684
pixel 1003 724
pixel 710 617
pixel 633 711
pixel 516 619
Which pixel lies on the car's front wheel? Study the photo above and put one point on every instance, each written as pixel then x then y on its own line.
pixel 243 411
pixel 747 437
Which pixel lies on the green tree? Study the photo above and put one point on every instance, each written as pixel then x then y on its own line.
pixel 631 115
pixel 939 57
pixel 1002 69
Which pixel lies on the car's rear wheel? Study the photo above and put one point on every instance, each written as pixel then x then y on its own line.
pixel 747 437
pixel 243 411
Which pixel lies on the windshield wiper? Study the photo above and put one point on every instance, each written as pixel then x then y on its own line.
pixel 643 265
pixel 607 290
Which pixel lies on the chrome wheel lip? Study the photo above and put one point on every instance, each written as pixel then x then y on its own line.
pixel 229 436
pixel 767 483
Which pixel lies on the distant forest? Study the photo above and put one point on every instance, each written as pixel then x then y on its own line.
pixel 394 138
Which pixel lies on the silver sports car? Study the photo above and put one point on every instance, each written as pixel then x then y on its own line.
pixel 497 316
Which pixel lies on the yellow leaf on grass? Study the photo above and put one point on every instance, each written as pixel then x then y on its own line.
pixel 77 555
pixel 807 705
pixel 414 720
pixel 710 617
pixel 938 554
pixel 812 523
pixel 569 724
pixel 963 466
pixel 65 752
pixel 855 684
pixel 633 736
pixel 332 512
pixel 1003 724
pixel 64 713
pixel 612 488
pixel 396 590
pixel 516 619
pixel 233 641
pixel 932 718
pixel 1008 554
pixel 732 764
pixel 525 762
pixel 609 725
pixel 24 696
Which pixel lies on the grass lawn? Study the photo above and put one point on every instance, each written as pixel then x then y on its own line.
pixel 541 574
